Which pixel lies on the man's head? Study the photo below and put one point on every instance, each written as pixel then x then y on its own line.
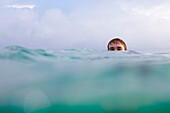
pixel 116 45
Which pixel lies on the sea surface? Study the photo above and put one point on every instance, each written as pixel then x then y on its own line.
pixel 83 81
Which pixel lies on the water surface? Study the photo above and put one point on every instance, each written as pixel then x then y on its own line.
pixel 83 81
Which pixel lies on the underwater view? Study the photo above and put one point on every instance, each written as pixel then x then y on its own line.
pixel 83 81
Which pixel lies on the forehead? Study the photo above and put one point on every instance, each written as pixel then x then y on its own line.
pixel 115 43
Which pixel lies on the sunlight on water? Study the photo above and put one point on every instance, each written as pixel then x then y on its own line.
pixel 83 80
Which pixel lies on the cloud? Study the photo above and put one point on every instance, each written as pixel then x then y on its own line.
pixel 90 26
pixel 158 12
pixel 21 6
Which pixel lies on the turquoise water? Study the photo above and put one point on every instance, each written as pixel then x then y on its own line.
pixel 83 81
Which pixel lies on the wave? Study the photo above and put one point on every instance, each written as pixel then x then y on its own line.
pixel 21 53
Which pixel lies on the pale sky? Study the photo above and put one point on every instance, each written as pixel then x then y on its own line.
pixel 63 24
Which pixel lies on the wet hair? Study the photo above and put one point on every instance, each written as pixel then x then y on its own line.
pixel 117 40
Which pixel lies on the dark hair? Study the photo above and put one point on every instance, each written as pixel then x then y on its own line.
pixel 119 40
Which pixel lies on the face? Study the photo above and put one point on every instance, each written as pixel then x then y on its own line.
pixel 116 46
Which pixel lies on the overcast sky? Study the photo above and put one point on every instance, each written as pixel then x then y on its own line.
pixel 62 24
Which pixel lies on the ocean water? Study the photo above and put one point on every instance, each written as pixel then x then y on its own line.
pixel 83 81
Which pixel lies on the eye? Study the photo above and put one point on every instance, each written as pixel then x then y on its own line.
pixel 119 48
pixel 111 49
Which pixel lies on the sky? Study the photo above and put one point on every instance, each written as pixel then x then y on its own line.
pixel 85 24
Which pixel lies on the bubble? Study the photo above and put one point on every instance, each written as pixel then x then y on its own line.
pixel 36 101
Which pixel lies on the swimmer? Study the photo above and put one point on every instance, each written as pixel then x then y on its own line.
pixel 116 45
